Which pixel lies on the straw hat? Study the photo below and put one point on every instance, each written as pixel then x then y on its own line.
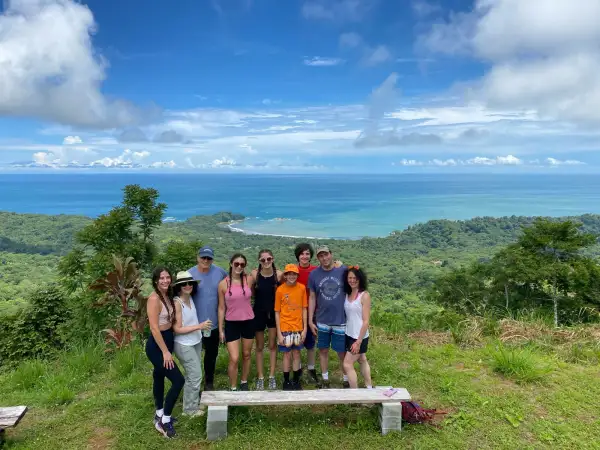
pixel 183 277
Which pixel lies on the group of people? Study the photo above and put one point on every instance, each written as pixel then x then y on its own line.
pixel 302 306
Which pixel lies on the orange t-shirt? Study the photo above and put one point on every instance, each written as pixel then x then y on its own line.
pixel 289 301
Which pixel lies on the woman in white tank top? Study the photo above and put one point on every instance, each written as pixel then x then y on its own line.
pixel 188 340
pixel 358 310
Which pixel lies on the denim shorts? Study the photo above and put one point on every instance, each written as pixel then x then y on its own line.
pixel 284 349
pixel 333 336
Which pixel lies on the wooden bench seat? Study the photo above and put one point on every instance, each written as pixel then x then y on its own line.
pixel 10 417
pixel 219 401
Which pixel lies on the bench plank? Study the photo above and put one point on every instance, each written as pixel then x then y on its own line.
pixel 307 397
pixel 10 417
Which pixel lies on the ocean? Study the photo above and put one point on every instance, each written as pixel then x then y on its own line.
pixel 337 206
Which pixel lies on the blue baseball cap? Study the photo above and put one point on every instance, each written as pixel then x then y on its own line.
pixel 206 252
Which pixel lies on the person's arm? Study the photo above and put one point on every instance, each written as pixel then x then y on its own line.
pixel 254 274
pixel 366 314
pixel 153 308
pixel 277 309
pixel 279 276
pixel 222 289
pixel 304 312
pixel 178 325
pixel 278 325
pixel 312 303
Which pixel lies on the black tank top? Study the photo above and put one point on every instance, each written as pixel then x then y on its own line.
pixel 264 292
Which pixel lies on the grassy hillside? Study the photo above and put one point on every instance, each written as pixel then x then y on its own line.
pixel 539 393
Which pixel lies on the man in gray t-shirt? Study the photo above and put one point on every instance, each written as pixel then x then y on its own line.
pixel 326 303
pixel 206 301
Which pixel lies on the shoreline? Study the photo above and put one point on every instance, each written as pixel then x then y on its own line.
pixel 231 226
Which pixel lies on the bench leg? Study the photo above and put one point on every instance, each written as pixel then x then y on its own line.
pixel 216 423
pixel 390 417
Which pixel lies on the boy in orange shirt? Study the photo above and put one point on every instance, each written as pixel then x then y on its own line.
pixel 291 306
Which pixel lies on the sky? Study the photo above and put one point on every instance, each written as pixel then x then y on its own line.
pixel 300 85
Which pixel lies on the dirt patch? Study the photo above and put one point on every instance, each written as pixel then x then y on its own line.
pixel 100 439
pixel 431 338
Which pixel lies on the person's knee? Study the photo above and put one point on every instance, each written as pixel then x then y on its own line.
pixel 324 351
pixel 272 346
pixel 234 359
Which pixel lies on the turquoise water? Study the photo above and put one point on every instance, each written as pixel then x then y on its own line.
pixel 343 206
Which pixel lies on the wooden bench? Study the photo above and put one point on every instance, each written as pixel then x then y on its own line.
pixel 218 401
pixel 10 417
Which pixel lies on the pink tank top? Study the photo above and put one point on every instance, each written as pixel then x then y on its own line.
pixel 238 305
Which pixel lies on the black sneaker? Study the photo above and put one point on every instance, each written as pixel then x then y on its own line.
pixel 287 386
pixel 346 385
pixel 296 386
pixel 323 384
pixel 166 429
pixel 312 376
pixel 244 386
pixel 158 418
pixel 209 386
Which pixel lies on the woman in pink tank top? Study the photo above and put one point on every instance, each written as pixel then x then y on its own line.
pixel 236 318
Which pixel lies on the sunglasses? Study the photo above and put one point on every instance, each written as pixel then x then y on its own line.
pixel 206 258
pixel 265 260
pixel 239 264
pixel 188 284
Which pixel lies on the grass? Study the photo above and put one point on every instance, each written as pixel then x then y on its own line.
pixel 497 396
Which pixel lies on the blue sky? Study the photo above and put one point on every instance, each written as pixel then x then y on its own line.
pixel 306 85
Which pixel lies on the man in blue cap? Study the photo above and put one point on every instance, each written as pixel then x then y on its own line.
pixel 206 301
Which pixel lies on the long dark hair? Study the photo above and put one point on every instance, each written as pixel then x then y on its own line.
pixel 243 275
pixel 266 250
pixel 155 277
pixel 360 275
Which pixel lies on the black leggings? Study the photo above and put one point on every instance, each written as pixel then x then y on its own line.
pixel 210 346
pixel 154 354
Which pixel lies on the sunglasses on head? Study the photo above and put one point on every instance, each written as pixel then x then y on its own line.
pixel 353 267
pixel 206 258
pixel 265 260
pixel 239 264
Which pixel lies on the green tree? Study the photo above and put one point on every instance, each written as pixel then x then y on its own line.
pixel 179 255
pixel 125 231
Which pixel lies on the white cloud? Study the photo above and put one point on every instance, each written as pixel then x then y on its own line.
pixel 164 165
pixel 371 55
pixel 423 8
pixel 409 162
pixel 544 54
pixel 141 155
pixel 50 69
pixel 44 158
pixel 320 61
pixel 248 149
pixel 351 40
pixel 442 163
pixel 568 162
pixel 223 162
pixel 70 140
pixel 336 10
pixel 377 55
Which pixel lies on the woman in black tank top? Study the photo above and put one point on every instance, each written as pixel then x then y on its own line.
pixel 267 279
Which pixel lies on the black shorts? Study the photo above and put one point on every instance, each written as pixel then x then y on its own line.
pixel 264 319
pixel 364 345
pixel 236 329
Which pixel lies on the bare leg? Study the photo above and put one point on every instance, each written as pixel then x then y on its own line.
pixel 246 353
pixel 233 348
pixel 296 362
pixel 365 369
pixel 286 361
pixel 260 346
pixel 342 357
pixel 348 365
pixel 310 357
pixel 272 351
pixel 324 359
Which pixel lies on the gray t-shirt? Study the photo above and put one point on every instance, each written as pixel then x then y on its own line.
pixel 206 299
pixel 328 286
